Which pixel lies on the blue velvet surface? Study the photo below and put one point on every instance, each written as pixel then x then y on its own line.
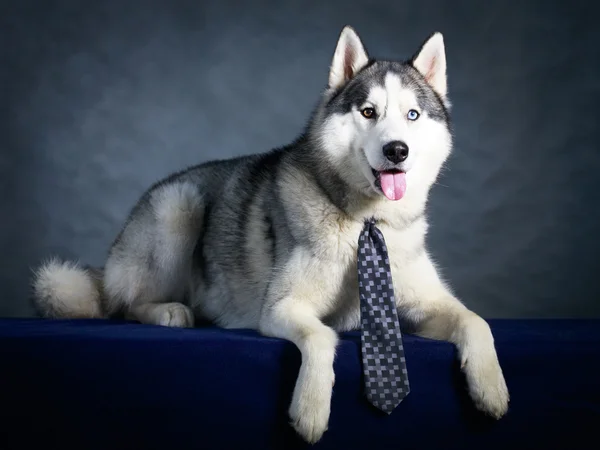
pixel 91 384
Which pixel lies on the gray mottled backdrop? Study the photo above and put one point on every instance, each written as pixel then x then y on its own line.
pixel 100 99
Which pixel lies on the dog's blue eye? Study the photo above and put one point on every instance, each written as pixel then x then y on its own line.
pixel 412 115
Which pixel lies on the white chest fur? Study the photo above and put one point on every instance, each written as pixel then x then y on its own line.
pixel 334 267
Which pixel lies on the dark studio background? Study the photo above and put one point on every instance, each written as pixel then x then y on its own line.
pixel 101 99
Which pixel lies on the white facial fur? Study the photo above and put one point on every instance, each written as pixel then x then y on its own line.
pixel 427 139
pixel 355 143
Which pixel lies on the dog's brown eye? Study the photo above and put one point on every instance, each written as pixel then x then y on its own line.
pixel 369 113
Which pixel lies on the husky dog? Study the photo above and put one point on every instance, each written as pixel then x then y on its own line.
pixel 269 241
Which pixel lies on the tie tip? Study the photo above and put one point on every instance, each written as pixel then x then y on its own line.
pixel 387 409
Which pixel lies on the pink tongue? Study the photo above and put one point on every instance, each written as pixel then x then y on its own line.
pixel 393 184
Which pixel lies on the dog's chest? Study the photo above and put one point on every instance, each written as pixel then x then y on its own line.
pixel 337 244
pixel 339 266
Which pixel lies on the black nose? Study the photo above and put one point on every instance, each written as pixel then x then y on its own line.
pixel 395 151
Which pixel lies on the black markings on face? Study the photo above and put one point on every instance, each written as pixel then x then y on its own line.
pixel 356 91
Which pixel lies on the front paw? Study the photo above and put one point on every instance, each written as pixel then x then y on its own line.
pixel 311 405
pixel 175 315
pixel 486 383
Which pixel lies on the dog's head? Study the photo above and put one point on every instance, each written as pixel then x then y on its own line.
pixel 384 124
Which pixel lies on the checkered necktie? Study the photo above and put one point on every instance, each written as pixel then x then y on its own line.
pixel 384 366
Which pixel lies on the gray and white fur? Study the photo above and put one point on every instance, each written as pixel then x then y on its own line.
pixel 269 241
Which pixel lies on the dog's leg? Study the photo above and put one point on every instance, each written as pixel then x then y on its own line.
pixel 295 317
pixel 311 400
pixel 436 313
pixel 149 266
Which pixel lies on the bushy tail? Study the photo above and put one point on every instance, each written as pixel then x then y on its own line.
pixel 67 290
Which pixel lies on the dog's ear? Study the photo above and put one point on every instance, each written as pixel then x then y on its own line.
pixel 349 57
pixel 430 60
